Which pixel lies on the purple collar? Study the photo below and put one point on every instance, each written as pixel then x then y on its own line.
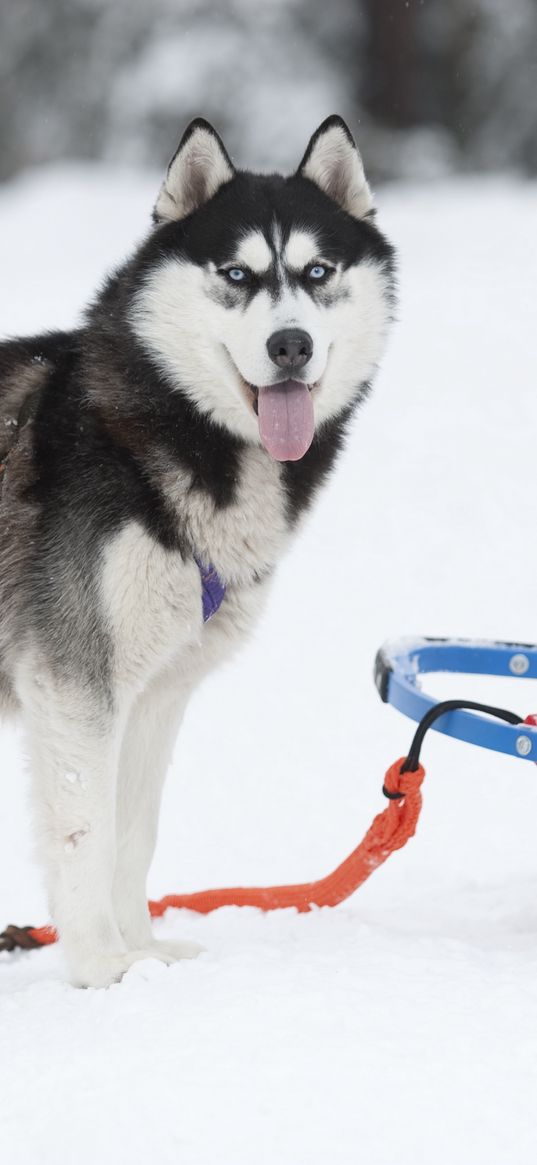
pixel 213 589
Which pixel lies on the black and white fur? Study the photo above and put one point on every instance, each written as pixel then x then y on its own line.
pixel 132 444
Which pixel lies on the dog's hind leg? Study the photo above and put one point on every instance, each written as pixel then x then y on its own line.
pixel 145 755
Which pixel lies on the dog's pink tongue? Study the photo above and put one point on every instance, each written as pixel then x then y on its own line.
pixel 286 422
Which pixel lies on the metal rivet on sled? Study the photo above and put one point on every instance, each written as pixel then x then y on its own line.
pixel 519 664
pixel 523 745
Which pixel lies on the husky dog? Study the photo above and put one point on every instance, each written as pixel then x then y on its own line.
pixel 155 463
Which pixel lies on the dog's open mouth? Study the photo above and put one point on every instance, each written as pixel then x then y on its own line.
pixel 285 416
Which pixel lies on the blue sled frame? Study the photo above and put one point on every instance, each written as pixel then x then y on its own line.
pixel 399 665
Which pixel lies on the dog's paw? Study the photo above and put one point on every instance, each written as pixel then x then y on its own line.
pixel 105 970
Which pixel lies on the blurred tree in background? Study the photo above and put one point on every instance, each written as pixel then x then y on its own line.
pixel 429 86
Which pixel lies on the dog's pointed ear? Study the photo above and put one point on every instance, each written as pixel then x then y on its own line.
pixel 199 167
pixel 333 162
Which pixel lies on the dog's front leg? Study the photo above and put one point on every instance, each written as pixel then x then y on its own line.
pixel 145 755
pixel 74 743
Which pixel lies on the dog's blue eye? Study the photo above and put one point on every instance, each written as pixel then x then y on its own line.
pixel 236 274
pixel 317 272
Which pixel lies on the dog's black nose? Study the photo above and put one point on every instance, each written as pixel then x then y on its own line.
pixel 290 348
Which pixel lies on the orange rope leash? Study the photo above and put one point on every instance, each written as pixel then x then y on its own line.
pixel 389 831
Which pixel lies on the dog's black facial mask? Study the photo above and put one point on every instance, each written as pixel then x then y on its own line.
pixel 222 203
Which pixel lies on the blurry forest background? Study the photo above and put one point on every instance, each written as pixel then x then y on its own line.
pixel 429 86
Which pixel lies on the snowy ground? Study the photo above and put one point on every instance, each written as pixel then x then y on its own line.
pixel 400 1028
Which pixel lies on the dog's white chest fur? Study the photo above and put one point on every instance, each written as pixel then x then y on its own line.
pixel 152 596
pixel 247 537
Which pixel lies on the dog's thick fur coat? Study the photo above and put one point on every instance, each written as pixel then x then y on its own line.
pixel 131 449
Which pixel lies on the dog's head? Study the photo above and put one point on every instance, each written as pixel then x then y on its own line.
pixel 266 299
